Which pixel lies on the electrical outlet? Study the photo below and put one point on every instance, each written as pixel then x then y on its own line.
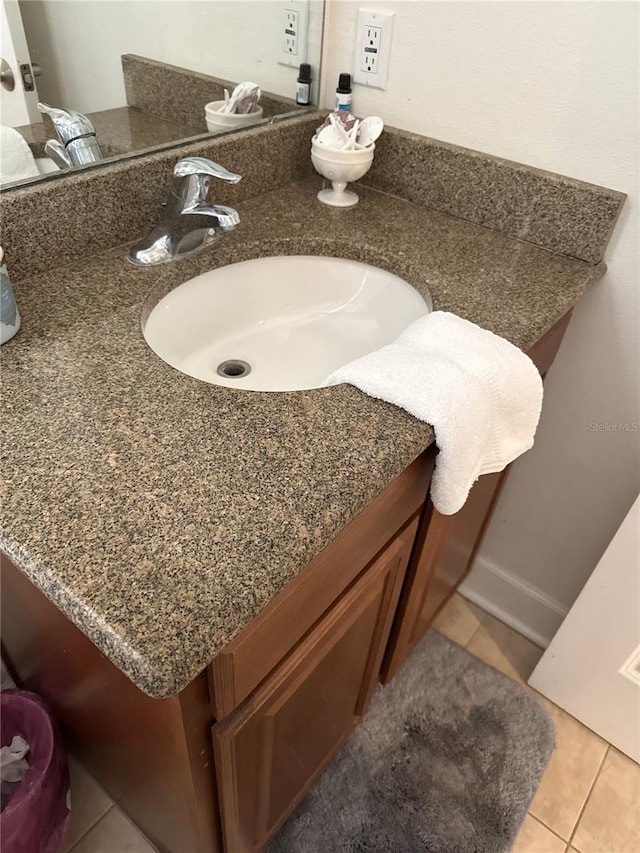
pixel 373 46
pixel 294 28
pixel 371 50
pixel 291 24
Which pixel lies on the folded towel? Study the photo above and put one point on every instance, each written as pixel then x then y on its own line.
pixel 16 159
pixel 481 394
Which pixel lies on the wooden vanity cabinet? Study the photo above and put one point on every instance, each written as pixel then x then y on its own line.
pixel 279 700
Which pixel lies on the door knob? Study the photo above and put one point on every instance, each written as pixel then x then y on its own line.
pixel 7 80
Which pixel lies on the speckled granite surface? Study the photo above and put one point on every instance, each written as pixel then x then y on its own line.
pixel 74 215
pixel 93 209
pixel 549 210
pixel 160 513
pixel 180 94
pixel 119 131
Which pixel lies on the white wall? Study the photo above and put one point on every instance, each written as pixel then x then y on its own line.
pixel 78 43
pixel 553 85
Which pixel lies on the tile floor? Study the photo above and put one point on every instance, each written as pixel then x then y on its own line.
pixel 588 801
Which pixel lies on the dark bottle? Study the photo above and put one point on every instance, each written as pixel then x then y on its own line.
pixel 303 89
pixel 343 93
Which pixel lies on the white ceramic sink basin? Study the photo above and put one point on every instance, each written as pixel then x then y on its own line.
pixel 46 165
pixel 291 320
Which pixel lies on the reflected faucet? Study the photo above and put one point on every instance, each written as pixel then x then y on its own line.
pixel 189 222
pixel 76 144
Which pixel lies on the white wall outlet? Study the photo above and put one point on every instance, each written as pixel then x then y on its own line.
pixel 294 30
pixel 373 47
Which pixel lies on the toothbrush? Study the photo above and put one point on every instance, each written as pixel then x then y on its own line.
pixel 353 134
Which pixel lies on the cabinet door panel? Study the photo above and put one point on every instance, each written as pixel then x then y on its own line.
pixel 273 747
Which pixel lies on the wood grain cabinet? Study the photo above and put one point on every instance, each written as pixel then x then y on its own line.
pixel 272 748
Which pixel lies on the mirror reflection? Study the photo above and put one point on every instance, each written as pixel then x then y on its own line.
pixel 98 79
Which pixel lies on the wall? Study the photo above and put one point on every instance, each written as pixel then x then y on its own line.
pixel 78 43
pixel 553 85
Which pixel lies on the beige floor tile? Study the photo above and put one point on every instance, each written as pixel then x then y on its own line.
pixel 114 834
pixel 536 838
pixel 503 648
pixel 610 822
pixel 459 619
pixel 570 774
pixel 88 804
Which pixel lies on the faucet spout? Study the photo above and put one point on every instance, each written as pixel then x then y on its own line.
pixel 226 217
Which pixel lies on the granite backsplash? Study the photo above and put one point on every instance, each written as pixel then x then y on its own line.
pixel 179 94
pixel 63 219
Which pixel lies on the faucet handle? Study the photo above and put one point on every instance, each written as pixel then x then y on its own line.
pixel 202 166
pixel 192 178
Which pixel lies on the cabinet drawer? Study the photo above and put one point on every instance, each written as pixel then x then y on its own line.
pixel 252 655
pixel 272 748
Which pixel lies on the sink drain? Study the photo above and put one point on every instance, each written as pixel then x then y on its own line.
pixel 234 368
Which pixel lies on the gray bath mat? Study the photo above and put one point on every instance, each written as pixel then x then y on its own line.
pixel 446 760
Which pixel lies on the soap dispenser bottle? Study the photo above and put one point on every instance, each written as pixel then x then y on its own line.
pixel 9 314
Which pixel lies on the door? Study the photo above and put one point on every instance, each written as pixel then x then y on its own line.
pixel 17 105
pixel 592 667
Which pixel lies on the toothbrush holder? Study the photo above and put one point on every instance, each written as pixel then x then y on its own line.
pixel 340 166
pixel 218 122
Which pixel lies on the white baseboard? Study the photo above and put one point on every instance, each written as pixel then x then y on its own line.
pixel 523 607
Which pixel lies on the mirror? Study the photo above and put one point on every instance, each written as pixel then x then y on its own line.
pixel 143 70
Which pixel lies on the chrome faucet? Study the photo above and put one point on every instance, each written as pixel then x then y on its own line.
pixel 189 222
pixel 76 144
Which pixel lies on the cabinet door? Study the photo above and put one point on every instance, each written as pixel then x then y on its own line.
pixel 443 554
pixel 272 748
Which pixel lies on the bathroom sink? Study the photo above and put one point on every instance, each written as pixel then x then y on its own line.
pixel 46 165
pixel 280 323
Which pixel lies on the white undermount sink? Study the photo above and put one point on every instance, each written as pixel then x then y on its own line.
pixel 46 165
pixel 280 323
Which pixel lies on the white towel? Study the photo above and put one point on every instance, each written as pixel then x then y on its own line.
pixel 481 394
pixel 16 159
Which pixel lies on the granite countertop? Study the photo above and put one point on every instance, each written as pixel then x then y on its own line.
pixel 160 513
pixel 122 130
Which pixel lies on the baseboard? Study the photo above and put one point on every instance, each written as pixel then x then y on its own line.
pixel 523 607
